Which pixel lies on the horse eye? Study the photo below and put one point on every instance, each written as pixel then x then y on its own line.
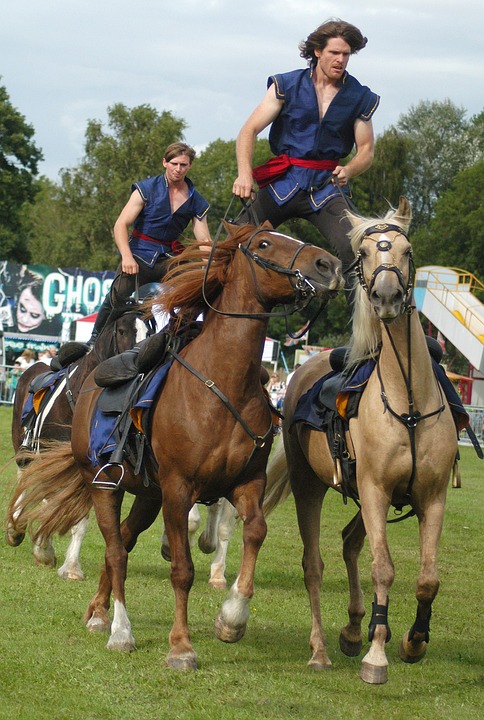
pixel 264 244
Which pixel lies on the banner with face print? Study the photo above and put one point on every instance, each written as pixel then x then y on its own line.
pixel 39 303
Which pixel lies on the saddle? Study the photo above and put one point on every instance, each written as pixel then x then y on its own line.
pixel 130 382
pixel 141 359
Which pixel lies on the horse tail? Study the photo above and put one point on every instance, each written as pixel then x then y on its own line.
pixel 50 496
pixel 278 487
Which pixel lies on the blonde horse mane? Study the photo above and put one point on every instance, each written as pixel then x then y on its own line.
pixel 188 278
pixel 366 327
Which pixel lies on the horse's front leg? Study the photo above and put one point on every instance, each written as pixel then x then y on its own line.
pixel 226 526
pixel 374 507
pixel 176 508
pixel 414 643
pixel 232 619
pixel 194 520
pixel 207 542
pixel 350 640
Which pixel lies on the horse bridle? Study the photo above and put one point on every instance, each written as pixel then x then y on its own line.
pixel 384 246
pixel 305 290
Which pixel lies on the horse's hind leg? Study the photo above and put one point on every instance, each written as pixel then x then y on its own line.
pixel 350 640
pixel 309 492
pixel 44 553
pixel 414 643
pixel 71 568
pixel 120 540
pixel 232 619
pixel 14 528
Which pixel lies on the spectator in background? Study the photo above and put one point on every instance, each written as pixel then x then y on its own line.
pixel 12 380
pixel 26 359
pixel 290 376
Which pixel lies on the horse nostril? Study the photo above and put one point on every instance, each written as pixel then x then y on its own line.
pixel 323 266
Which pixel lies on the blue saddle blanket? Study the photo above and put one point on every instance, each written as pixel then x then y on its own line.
pixel 103 437
pixel 311 411
pixel 49 382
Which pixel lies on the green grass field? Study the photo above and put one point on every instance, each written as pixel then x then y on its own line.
pixel 52 668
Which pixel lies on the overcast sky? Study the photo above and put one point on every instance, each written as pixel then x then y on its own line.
pixel 66 61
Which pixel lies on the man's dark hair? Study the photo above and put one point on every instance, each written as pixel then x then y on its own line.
pixel 335 28
pixel 179 148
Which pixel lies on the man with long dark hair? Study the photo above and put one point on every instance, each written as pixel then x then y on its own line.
pixel 317 116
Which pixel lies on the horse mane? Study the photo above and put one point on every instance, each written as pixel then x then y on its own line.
pixel 366 328
pixel 189 281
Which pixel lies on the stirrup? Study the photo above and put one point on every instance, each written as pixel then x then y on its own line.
pixel 108 484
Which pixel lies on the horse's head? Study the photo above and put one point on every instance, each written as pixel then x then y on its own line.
pixel 123 330
pixel 384 260
pixel 284 269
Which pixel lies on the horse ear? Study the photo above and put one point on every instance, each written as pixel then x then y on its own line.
pixel 267 225
pixel 404 212
pixel 355 220
pixel 230 227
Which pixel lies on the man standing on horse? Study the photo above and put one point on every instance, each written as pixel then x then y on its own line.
pixel 159 209
pixel 318 114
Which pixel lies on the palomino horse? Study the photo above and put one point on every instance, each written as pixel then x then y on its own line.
pixel 211 429
pixel 403 438
pixel 124 328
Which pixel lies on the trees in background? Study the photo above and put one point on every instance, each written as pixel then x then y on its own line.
pixel 19 159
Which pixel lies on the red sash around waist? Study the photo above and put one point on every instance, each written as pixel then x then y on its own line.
pixel 276 166
pixel 175 245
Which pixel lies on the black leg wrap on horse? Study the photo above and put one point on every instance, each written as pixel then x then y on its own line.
pixel 379 616
pixel 421 625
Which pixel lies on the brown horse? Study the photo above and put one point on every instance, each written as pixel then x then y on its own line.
pixel 123 329
pixel 211 429
pixel 403 438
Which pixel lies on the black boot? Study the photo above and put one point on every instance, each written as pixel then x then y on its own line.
pixel 101 320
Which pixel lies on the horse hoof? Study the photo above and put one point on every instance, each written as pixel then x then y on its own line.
pixel 227 633
pixel 165 553
pixel 410 653
pixel 205 546
pixel 374 674
pixel 185 661
pixel 97 625
pixel 46 561
pixel 70 574
pixel 121 644
pixel 318 665
pixel 218 584
pixel 14 539
pixel 348 647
